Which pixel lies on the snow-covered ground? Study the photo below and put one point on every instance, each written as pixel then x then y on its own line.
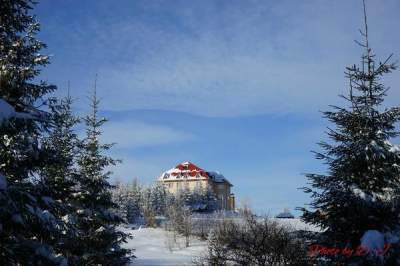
pixel 296 224
pixel 154 246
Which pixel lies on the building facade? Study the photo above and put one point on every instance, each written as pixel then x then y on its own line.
pixel 189 176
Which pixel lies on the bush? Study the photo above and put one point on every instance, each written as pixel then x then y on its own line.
pixel 179 220
pixel 254 242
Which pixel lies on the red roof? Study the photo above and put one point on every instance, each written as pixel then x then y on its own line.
pixel 189 169
pixel 192 171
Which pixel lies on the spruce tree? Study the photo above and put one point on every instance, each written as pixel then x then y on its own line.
pixel 128 199
pixel 360 190
pixel 209 199
pixel 58 178
pixel 25 225
pixel 147 207
pixel 120 197
pixel 99 239
pixel 135 202
pixel 158 198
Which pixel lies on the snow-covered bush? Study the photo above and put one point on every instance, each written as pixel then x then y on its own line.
pixel 135 203
pixel 128 199
pixel 254 242
pixel 179 219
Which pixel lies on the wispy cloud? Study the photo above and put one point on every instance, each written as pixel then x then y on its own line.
pixel 130 134
pixel 132 167
pixel 219 59
pixel 267 65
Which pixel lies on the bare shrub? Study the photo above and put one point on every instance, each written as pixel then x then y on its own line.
pixel 149 218
pixel 170 239
pixel 254 242
pixel 179 220
pixel 201 226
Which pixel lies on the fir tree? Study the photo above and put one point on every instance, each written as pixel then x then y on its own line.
pixel 127 198
pixel 209 199
pixel 360 189
pixel 58 178
pixel 158 199
pixel 24 224
pixel 147 208
pixel 99 240
pixel 135 201
pixel 186 196
pixel 120 197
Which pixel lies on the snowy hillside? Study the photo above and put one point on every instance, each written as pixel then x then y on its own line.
pixel 153 246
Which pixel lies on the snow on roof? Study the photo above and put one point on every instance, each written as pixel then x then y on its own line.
pixel 217 177
pixel 190 171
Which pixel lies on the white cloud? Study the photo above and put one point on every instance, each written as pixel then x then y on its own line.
pixel 241 58
pixel 130 134
pixel 130 168
pixel 246 60
pixel 238 86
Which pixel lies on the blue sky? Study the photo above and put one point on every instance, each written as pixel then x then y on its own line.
pixel 233 86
